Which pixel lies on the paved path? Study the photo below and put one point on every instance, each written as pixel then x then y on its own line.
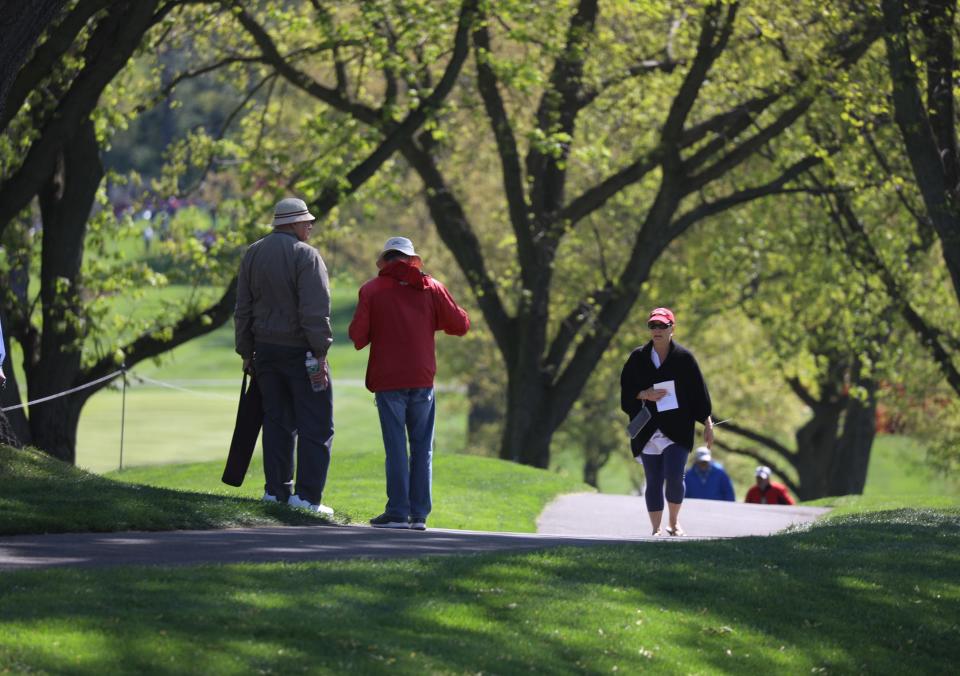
pixel 574 520
pixel 260 545
pixel 625 516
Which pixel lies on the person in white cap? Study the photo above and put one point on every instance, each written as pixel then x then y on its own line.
pixel 282 314
pixel 706 479
pixel 766 492
pixel 398 313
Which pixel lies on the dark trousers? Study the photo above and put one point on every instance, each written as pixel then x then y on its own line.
pixel 664 473
pixel 293 411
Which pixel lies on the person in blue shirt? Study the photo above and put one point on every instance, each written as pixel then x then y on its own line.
pixel 707 479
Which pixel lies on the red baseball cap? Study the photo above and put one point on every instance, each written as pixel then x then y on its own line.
pixel 661 314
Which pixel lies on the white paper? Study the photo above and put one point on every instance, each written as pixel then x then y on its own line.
pixel 669 401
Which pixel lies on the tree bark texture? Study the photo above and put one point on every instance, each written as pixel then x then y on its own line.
pixel 65 204
pixel 928 124
pixel 21 24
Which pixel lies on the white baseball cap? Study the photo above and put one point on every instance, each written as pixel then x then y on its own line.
pixel 702 454
pixel 401 244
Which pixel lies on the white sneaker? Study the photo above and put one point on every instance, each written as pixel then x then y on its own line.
pixel 269 498
pixel 300 503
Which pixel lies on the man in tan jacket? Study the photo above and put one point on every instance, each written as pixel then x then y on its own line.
pixel 282 314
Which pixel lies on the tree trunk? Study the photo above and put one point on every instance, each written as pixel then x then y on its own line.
pixel 10 396
pixel 848 474
pixel 526 431
pixel 833 448
pixel 7 435
pixel 65 204
pixel 483 410
pixel 54 426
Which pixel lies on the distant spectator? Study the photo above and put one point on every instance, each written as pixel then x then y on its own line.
pixel 208 238
pixel 767 492
pixel 147 237
pixel 706 479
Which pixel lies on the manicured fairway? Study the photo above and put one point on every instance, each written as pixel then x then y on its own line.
pixel 866 593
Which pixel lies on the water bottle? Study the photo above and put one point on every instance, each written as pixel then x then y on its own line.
pixel 313 366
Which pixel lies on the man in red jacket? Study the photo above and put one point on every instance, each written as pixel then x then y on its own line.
pixel 767 492
pixel 398 313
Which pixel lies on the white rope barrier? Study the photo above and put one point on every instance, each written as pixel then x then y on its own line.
pixel 441 387
pixel 64 393
pixel 171 386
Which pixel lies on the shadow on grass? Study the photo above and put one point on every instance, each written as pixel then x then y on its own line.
pixel 39 494
pixel 875 594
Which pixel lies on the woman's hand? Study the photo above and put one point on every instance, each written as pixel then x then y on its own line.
pixel 651 394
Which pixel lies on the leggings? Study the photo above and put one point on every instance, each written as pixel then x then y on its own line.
pixel 664 468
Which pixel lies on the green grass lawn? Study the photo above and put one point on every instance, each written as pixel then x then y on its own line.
pixel 39 494
pixel 865 593
pixel 469 492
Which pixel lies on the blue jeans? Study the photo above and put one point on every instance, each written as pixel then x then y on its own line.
pixel 666 468
pixel 293 411
pixel 402 413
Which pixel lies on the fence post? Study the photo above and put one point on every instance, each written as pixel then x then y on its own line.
pixel 123 411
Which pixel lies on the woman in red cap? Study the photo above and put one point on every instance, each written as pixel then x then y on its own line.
pixel 664 377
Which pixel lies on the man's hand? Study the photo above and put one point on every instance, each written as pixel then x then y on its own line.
pixel 651 395
pixel 248 366
pixel 322 376
pixel 708 434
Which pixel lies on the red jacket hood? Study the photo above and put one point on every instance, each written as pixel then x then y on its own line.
pixel 404 273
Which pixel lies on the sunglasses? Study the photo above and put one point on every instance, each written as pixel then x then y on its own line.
pixel 658 325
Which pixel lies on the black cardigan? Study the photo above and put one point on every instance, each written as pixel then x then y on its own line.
pixel 639 373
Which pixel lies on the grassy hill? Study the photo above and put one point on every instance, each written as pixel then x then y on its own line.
pixel 39 494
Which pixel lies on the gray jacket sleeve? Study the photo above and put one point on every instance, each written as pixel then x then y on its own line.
pixel 243 313
pixel 313 288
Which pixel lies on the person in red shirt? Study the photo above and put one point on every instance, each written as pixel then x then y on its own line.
pixel 767 492
pixel 397 314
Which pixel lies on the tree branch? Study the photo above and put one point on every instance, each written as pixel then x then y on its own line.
pixel 708 50
pixel 60 38
pixel 937 22
pixel 746 149
pixel 402 133
pixel 506 142
pixel 802 392
pixel 149 345
pixel 329 95
pixel 750 453
pixel 557 113
pixel 860 248
pixel 107 52
pixel 643 67
pixel 455 231
pixel 920 143
pixel 774 187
